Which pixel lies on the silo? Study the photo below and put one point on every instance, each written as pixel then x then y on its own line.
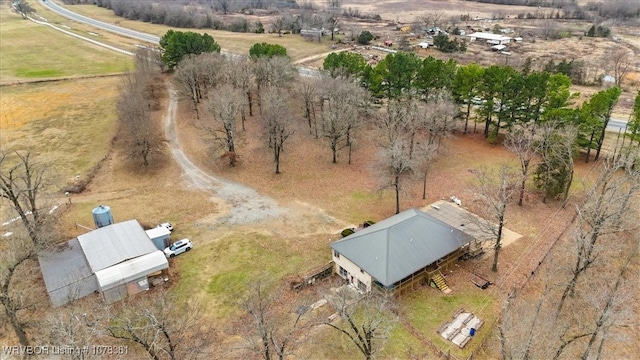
pixel 102 216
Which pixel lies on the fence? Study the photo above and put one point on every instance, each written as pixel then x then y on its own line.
pixel 318 274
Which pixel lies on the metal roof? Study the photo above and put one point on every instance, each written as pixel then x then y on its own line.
pixel 157 232
pixel 396 247
pixel 489 36
pixel 131 270
pixel 66 273
pixel 115 243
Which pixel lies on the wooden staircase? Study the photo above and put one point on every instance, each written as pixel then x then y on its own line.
pixel 440 282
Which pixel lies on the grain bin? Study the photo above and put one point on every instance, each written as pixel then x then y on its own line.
pixel 102 216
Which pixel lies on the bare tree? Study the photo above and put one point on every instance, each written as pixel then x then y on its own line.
pixel 436 116
pixel 425 155
pixel 277 71
pixel 225 103
pixel 22 7
pixel 279 23
pixel 74 327
pixel 432 19
pixel 15 253
pixel 21 182
pixel 332 17
pixel 199 74
pixel 240 76
pixel 520 141
pixel 188 75
pixel 493 193
pixel 555 145
pixel 620 61
pixel 367 322
pixel 342 102
pixel 395 160
pixel 399 127
pixel 134 115
pixel 278 121
pixel 164 328
pixel 608 209
pixel 307 90
pixel 274 330
pixel 224 6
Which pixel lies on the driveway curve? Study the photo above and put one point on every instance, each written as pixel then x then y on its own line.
pixel 245 204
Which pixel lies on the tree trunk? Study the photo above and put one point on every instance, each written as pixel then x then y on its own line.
pixel 498 245
pixel 522 187
pixel 397 188
pixel 276 150
pixel 601 140
pixel 13 320
pixel 487 123
pixel 466 121
pixel 424 186
pixel 589 146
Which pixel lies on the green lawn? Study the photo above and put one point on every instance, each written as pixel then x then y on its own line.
pixel 221 271
pixel 30 51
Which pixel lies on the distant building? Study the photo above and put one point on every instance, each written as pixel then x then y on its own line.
pixel 490 38
pixel 115 260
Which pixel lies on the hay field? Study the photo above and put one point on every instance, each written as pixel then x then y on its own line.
pixel 68 124
pixel 30 51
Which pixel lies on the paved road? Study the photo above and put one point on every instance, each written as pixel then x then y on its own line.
pixel 51 5
pixel 616 124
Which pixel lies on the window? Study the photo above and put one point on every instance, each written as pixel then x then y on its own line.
pixel 343 272
pixel 336 254
pixel 362 286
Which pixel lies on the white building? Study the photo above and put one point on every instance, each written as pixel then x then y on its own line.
pixel 490 38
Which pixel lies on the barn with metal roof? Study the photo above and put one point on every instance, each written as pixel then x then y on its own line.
pixel 114 260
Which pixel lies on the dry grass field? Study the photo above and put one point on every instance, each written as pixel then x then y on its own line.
pixel 238 43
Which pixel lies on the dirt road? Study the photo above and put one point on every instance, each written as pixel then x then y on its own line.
pixel 245 205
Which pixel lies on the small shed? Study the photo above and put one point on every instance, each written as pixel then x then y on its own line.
pixel 160 236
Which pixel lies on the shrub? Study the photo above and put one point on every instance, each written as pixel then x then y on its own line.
pixel 365 37
pixel 346 232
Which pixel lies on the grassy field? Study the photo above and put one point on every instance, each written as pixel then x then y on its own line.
pixel 30 51
pixel 58 121
pixel 239 43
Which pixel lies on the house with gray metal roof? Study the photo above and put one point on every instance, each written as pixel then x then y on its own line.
pixel 393 250
pixel 114 260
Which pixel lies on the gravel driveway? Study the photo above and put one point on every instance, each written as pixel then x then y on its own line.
pixel 245 204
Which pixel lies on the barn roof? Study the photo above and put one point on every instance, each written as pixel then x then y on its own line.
pixel 397 247
pixel 115 243
pixel 66 273
pixel 489 36
pixel 131 270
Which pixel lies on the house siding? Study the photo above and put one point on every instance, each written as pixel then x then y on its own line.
pixel 354 273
